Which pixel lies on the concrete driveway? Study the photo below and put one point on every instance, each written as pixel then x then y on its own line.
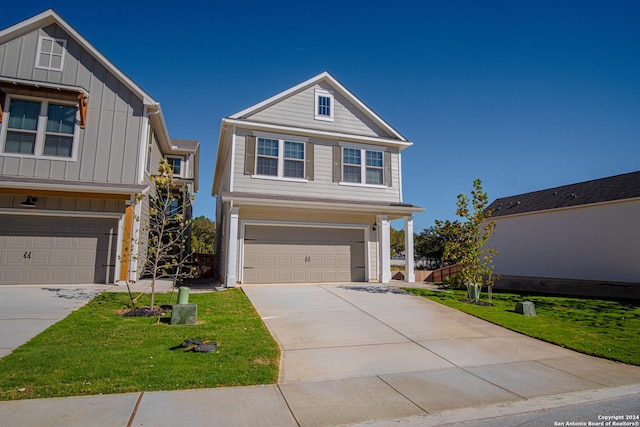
pixel 361 352
pixel 27 310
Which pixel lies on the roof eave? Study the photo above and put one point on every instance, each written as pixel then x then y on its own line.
pixel 326 76
pixel 397 211
pixel 401 144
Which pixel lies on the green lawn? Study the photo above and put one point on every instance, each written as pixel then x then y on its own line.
pixel 94 350
pixel 603 328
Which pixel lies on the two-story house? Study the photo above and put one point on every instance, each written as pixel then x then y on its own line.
pixel 307 183
pixel 78 141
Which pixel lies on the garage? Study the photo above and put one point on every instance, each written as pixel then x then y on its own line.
pixel 57 250
pixel 277 254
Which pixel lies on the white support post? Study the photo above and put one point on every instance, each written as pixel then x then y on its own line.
pixel 409 267
pixel 232 250
pixel 385 250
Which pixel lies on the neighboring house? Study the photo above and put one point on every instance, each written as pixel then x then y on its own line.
pixel 78 140
pixel 571 238
pixel 307 182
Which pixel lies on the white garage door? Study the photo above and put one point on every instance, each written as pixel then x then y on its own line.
pixel 303 255
pixel 49 250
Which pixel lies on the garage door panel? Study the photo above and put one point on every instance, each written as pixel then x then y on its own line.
pixel 40 257
pixel 14 257
pixel 303 255
pixel 45 250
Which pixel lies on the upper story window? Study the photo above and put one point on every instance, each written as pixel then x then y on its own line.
pixel 176 164
pixel 51 53
pixel 354 170
pixel 280 158
pixel 324 105
pixel 40 128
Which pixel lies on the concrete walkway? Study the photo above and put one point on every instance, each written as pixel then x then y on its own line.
pixel 365 354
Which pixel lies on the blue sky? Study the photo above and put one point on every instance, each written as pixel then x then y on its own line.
pixel 525 95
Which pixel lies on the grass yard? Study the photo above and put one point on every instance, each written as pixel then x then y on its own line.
pixel 94 350
pixel 603 328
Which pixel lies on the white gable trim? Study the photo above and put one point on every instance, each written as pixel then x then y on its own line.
pixel 49 17
pixel 319 133
pixel 324 76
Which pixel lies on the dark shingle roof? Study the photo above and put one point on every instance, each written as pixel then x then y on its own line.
pixel 619 187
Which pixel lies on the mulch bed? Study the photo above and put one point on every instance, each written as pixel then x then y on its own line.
pixel 474 302
pixel 143 312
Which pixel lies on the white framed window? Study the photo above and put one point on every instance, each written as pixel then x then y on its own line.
pixel 323 105
pixel 51 53
pixel 177 164
pixel 356 171
pixel 280 158
pixel 40 128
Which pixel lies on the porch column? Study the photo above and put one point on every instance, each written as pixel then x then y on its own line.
pixel 409 267
pixel 385 250
pixel 232 250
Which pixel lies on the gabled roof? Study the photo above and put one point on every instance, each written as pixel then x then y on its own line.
pixel 49 17
pixel 619 187
pixel 337 86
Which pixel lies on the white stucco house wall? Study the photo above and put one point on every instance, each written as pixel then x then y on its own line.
pixel 576 236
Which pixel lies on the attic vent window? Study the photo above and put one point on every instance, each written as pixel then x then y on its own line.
pixel 324 105
pixel 51 53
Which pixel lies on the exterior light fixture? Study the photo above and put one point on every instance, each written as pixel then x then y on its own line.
pixel 29 203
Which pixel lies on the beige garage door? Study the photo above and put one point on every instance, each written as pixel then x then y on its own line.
pixel 303 255
pixel 50 250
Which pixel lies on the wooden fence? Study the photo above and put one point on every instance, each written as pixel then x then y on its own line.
pixel 204 265
pixel 443 273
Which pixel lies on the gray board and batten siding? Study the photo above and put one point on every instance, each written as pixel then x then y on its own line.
pixel 108 147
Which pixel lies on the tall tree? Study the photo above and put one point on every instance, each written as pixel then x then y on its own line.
pixel 168 229
pixel 430 244
pixel 396 241
pixel 203 233
pixel 467 243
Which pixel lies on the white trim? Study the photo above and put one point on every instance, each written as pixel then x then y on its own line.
pixel 358 184
pixel 271 135
pixel 399 175
pixel 320 133
pixel 270 223
pixel 278 178
pixel 409 267
pixel 363 166
pixel 182 164
pixel 232 163
pixel 143 151
pixel 41 128
pixel 385 249
pixel 281 159
pixel 323 93
pixel 232 273
pixel 51 54
pixel 395 212
pixel 119 260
